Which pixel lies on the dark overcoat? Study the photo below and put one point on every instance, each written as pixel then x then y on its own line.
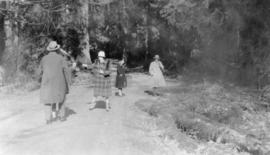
pixel 56 79
pixel 121 80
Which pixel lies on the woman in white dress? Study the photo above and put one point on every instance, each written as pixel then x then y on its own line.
pixel 156 71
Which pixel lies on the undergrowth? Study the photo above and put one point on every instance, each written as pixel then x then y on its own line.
pixel 208 112
pixel 19 82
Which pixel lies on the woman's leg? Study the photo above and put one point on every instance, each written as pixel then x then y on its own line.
pixel 62 111
pixel 54 110
pixel 48 113
pixel 120 91
pixel 93 103
pixel 108 105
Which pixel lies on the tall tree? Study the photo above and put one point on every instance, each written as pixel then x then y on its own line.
pixel 83 13
pixel 2 31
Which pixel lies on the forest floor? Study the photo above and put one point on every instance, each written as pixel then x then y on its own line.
pixel 138 124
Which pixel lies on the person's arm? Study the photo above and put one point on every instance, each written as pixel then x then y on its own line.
pixel 151 69
pixel 118 69
pixel 108 69
pixel 95 70
pixel 161 66
pixel 67 72
pixel 40 71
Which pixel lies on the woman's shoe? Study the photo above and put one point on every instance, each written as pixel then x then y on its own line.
pixel 108 107
pixel 92 105
pixel 54 114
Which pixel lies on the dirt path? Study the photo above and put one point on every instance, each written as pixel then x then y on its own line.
pixel 124 130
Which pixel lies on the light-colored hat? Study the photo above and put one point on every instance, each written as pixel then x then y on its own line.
pixel 156 57
pixel 53 46
pixel 101 54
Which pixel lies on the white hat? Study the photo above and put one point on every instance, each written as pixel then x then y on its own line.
pixel 53 46
pixel 156 57
pixel 101 54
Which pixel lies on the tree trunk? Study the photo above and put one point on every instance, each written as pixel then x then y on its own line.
pixel 2 32
pixel 146 41
pixel 12 53
pixel 146 22
pixel 84 42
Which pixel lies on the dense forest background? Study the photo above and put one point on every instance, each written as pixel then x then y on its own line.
pixel 226 40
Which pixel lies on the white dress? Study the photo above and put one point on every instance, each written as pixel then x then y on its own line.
pixel 155 70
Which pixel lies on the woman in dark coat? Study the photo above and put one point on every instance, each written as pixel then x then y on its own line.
pixel 55 82
pixel 121 80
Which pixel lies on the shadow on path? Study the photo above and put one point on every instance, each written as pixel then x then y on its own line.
pixel 99 105
pixel 69 112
